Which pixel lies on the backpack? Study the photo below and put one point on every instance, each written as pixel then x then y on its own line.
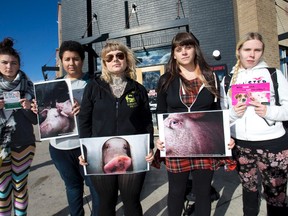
pixel 273 75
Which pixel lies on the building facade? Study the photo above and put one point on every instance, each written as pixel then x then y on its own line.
pixel 148 26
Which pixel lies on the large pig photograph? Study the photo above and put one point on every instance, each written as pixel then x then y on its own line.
pixel 55 101
pixel 116 154
pixel 195 134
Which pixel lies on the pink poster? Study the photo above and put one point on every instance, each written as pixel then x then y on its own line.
pixel 245 93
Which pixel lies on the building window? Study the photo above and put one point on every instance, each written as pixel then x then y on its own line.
pixel 283 60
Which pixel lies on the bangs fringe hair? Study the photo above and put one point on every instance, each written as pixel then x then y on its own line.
pixel 130 71
pixel 183 40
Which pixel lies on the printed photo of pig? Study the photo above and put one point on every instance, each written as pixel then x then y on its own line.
pixel 55 123
pixel 262 97
pixel 116 154
pixel 55 101
pixel 194 134
pixel 65 108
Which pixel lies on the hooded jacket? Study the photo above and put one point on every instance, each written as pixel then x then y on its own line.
pixel 102 114
pixel 170 100
pixel 250 126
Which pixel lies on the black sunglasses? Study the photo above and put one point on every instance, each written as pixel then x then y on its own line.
pixel 110 57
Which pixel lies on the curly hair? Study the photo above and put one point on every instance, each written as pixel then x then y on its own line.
pixel 73 46
pixel 113 45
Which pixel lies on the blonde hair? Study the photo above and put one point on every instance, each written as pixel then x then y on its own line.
pixel 113 45
pixel 245 38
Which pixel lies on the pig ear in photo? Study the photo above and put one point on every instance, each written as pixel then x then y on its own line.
pixel 65 108
pixel 44 112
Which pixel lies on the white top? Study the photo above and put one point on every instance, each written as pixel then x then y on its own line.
pixel 73 142
pixel 250 126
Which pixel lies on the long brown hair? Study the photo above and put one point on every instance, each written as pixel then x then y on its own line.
pixel 203 70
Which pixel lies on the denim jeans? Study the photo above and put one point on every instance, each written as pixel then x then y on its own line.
pixel 67 163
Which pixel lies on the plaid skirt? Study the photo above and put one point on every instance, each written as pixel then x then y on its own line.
pixel 176 165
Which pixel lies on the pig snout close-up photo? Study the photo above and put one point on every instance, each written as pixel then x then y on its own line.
pixel 116 156
pixel 65 108
pixel 189 134
pixel 54 123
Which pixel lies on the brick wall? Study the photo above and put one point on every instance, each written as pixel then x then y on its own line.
pixel 260 15
pixel 213 24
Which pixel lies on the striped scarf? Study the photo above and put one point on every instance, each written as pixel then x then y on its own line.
pixel 7 123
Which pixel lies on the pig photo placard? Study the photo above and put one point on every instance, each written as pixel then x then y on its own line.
pixel 116 154
pixel 195 134
pixel 55 101
pixel 245 93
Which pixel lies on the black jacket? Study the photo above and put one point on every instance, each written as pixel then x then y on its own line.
pixel 24 133
pixel 102 114
pixel 170 101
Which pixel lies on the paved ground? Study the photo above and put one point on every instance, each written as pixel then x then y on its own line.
pixel 47 192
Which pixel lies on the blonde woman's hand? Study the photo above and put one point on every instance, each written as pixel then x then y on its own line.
pixel 260 109
pixel 150 157
pixel 82 161
pixel 240 109
pixel 231 143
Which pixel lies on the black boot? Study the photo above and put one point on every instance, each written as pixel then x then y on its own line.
pixel 251 203
pixel 276 211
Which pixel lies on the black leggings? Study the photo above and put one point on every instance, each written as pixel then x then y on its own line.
pixel 130 186
pixel 201 188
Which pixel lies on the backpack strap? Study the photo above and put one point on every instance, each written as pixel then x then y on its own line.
pixel 273 75
pixel 227 80
pixel 216 85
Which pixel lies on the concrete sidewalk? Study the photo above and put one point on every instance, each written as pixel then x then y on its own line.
pixel 48 197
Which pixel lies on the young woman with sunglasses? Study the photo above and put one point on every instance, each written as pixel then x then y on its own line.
pixel 115 104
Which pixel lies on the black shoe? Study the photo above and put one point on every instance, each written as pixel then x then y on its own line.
pixel 277 211
pixel 214 195
pixel 189 210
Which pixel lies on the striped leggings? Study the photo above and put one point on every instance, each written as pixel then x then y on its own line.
pixel 13 181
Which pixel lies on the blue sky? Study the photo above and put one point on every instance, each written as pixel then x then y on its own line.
pixel 33 25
